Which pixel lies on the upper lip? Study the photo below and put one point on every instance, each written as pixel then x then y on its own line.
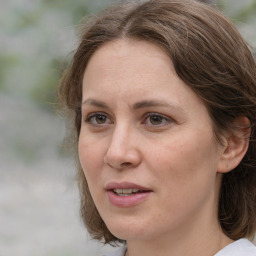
pixel 124 185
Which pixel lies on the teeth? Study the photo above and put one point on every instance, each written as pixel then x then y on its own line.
pixel 118 191
pixel 125 191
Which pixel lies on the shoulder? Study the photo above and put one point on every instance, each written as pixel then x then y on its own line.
pixel 241 247
pixel 119 252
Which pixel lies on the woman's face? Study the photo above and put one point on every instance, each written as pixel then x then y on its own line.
pixel 146 146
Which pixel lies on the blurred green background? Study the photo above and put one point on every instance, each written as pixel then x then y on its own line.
pixel 38 196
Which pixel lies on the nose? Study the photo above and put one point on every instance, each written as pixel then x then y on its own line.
pixel 123 151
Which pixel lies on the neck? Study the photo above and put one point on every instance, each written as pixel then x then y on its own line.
pixel 209 245
pixel 194 239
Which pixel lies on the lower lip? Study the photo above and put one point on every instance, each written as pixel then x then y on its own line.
pixel 127 201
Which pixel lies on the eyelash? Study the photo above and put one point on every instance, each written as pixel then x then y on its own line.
pixel 91 119
pixel 159 116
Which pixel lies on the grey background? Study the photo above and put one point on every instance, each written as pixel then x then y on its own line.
pixel 39 203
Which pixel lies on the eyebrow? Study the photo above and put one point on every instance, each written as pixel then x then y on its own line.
pixel 137 105
pixel 153 103
pixel 96 103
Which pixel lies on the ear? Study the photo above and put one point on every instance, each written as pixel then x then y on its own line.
pixel 236 145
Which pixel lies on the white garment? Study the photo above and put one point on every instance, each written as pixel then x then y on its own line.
pixel 120 252
pixel 241 247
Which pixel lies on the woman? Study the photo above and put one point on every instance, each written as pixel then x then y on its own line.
pixel 163 99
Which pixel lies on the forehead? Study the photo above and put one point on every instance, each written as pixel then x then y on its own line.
pixel 128 50
pixel 128 62
pixel 125 46
pixel 129 71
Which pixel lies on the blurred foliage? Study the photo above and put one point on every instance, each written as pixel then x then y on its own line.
pixel 37 36
pixel 6 63
pixel 243 14
pixel 247 12
pixel 239 11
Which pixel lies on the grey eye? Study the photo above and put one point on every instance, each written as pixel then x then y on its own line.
pixel 100 119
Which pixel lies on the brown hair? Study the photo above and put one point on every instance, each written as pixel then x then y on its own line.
pixel 212 58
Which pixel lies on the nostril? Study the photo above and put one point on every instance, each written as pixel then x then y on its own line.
pixel 126 159
pixel 126 164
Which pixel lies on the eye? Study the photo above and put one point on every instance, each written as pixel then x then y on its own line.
pixel 156 119
pixel 97 119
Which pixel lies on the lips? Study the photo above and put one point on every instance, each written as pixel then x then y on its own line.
pixel 126 194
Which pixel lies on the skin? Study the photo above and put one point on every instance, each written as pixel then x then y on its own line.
pixel 166 145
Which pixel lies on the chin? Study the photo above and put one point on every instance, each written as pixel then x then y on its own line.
pixel 125 230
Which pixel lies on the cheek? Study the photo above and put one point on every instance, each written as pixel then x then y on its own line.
pixel 90 156
pixel 91 160
pixel 185 159
pixel 186 172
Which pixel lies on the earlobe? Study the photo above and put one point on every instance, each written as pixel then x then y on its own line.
pixel 236 145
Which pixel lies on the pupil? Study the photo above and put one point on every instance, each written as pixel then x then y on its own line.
pixel 101 119
pixel 155 119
